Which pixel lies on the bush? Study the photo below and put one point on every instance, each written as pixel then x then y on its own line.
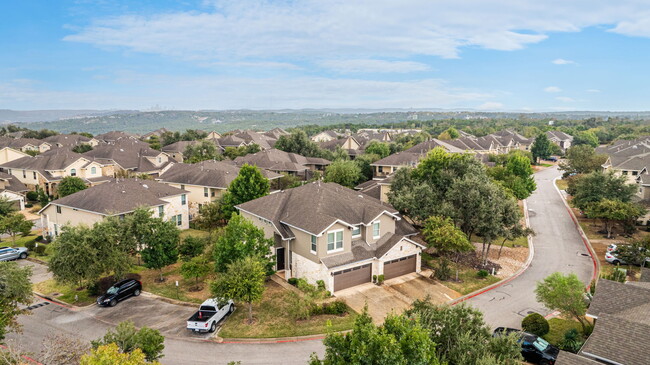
pixel 320 284
pixel 443 271
pixel 299 307
pixel 536 324
pixel 374 278
pixel 380 279
pixel 40 250
pixel 572 341
pixel 191 246
pixel 482 274
pixel 29 205
pixel 30 245
pixel 32 196
pixel 304 286
pixel 617 274
pixel 337 307
pixel 293 281
pixel 39 238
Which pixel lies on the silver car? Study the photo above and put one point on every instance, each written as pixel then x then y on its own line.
pixel 13 253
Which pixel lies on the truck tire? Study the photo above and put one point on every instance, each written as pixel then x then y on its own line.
pixel 231 308
pixel 213 327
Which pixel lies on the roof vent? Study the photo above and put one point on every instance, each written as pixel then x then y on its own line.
pixel 145 186
pixel 360 196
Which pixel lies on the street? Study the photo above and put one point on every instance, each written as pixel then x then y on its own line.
pixel 558 247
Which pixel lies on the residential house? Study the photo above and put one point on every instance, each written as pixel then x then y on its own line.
pixel 70 140
pixel 232 141
pixel 204 182
pixel 47 169
pixel 129 155
pixel 323 231
pixel 9 154
pixel 213 135
pixel 25 144
pixel 13 190
pixel 114 136
pixel 176 150
pixel 348 144
pixel 276 133
pixel 157 133
pixel 627 160
pixel 409 158
pixel 326 136
pixel 251 137
pixel 284 162
pixel 560 138
pixel 118 197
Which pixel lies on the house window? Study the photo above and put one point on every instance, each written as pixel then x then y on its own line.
pixel 159 160
pixel 34 175
pixel 634 173
pixel 313 244
pixel 375 230
pixel 380 169
pixel 179 220
pixel 56 230
pixel 24 174
pixel 73 172
pixel 183 199
pixel 356 231
pixel 58 209
pixel 93 170
pixel 161 211
pixel 182 187
pixel 624 172
pixel 335 241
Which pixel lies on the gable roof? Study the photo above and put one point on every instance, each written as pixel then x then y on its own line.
pixel 559 136
pixel 128 153
pixel 215 174
pixel 114 136
pixel 618 340
pixel 67 140
pixel 621 300
pixel 569 358
pixel 18 143
pixel 118 196
pixel 316 206
pixel 53 160
pixel 276 160
pixel 12 184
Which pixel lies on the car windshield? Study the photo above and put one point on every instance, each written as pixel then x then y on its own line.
pixel 112 290
pixel 540 344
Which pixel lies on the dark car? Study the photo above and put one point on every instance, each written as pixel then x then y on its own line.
pixel 120 291
pixel 534 349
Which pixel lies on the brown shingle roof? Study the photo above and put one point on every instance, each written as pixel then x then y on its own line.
pixel 361 250
pixel 12 184
pixel 119 196
pixel 569 358
pixel 214 174
pixel 127 153
pixel 276 160
pixel 618 340
pixel 621 300
pixel 67 140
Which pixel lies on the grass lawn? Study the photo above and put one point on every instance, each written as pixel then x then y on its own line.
pixel 561 184
pixel 273 320
pixel 22 242
pixel 64 293
pixel 194 232
pixel 546 164
pixel 167 288
pixel 469 281
pixel 519 242
pixel 558 327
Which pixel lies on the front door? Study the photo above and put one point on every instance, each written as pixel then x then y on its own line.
pixel 279 256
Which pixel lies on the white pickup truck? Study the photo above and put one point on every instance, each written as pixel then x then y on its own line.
pixel 209 314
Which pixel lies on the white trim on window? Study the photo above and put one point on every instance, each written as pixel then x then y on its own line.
pixel 336 241
pixel 376 232
pixel 356 231
pixel 313 248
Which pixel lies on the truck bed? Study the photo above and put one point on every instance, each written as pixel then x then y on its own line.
pixel 205 316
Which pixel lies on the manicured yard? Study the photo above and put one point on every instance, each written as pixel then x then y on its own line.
pixel 558 327
pixel 64 293
pixel 469 281
pixel 272 319
pixel 23 242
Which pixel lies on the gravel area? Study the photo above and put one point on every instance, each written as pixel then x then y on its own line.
pixel 511 260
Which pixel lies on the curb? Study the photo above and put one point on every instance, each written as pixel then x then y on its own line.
pixel 271 340
pixel 32 259
pixel 585 240
pixel 531 254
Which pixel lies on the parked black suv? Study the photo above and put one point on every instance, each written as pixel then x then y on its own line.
pixel 534 349
pixel 120 291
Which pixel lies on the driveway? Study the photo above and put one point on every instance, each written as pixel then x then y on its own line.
pixel 395 295
pixel 558 247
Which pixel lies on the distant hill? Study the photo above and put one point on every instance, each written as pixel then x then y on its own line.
pixel 25 116
pixel 142 122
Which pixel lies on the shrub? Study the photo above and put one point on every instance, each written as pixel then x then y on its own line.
pixel 374 278
pixel 443 271
pixel 29 205
pixel 293 281
pixel 320 284
pixel 380 279
pixel 536 324
pixel 304 286
pixel 617 274
pixel 299 307
pixel 572 341
pixel 39 238
pixel 30 245
pixel 192 246
pixel 482 274
pixel 337 307
pixel 40 250
pixel 32 196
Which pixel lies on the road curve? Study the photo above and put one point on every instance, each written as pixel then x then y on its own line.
pixel 558 246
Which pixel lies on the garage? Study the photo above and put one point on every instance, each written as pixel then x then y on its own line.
pixel 399 267
pixel 353 276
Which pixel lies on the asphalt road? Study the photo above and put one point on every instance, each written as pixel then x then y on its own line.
pixel 558 247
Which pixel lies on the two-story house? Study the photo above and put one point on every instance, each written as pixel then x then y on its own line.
pixel 116 198
pixel 205 181
pixel 25 144
pixel 129 155
pixel 324 231
pixel 284 162
pixel 12 190
pixel 560 138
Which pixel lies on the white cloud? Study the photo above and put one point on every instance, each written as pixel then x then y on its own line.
pixel 552 89
pixel 259 64
pixel 369 66
pixel 593 91
pixel 565 99
pixel 562 61
pixel 490 105
pixel 317 29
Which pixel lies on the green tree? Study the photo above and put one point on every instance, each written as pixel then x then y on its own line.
pixel 588 138
pixel 399 340
pixel 70 185
pixel 346 173
pixel 564 293
pixel 201 151
pixel 442 234
pixel 43 199
pixel 536 324
pixel 195 268
pixel 75 259
pixel 192 246
pixel 15 289
pixel 612 211
pixel 582 159
pixel 249 184
pixel 461 335
pixel 596 186
pixel 160 245
pixel 380 149
pixel 110 355
pixel 15 223
pixel 240 239
pixel 83 148
pixel 516 176
pixel 243 281
pixel 364 161
pixel 6 206
pixel 211 216
pixel 634 253
pixel 541 147
pixel 298 142
pixel 129 339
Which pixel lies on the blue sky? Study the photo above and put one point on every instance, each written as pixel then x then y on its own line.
pixel 512 55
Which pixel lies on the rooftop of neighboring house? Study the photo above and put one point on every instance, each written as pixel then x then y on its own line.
pixel 18 143
pixel 10 183
pixel 622 301
pixel 339 142
pixel 330 133
pixel 67 140
pixel 316 206
pixel 276 160
pixel 508 133
pixel 115 135
pixel 426 146
pixel 178 147
pixel 53 160
pixel 118 196
pixel 265 142
pixel 158 132
pixel 215 174
pixel 232 141
pixel 403 158
pixel 276 133
pixel 569 358
pixel 559 136
pixel 127 153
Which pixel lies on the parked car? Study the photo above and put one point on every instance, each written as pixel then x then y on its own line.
pixel 534 349
pixel 209 314
pixel 612 258
pixel 611 247
pixel 13 253
pixel 120 291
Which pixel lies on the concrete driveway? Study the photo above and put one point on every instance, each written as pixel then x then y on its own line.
pixel 395 295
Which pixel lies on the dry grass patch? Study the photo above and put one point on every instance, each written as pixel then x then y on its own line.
pixel 65 293
pixel 184 291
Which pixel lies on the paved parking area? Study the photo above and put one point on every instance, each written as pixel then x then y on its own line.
pixel 39 272
pixel 395 295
